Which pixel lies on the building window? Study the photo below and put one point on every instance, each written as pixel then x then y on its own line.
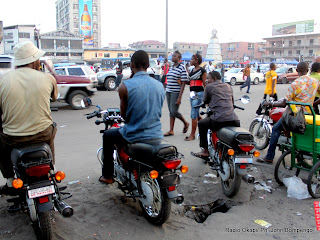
pixel 120 55
pixel 75 7
pixel 311 42
pixel 298 42
pixel 95 18
pixel 250 46
pixel 8 36
pixel 290 43
pixel 289 53
pixel 310 52
pixel 24 35
pixel 189 47
pixel 106 55
pixel 154 55
pixel 298 52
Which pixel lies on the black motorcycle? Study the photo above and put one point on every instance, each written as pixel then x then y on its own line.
pixel 146 170
pixel 36 187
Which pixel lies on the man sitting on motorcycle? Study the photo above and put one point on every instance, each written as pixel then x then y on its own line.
pixel 219 96
pixel 25 115
pixel 141 100
pixel 303 89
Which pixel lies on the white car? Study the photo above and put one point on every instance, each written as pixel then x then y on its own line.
pixel 78 70
pixel 235 75
pixel 6 64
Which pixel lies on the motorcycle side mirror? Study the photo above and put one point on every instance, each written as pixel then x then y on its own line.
pixel 86 102
pixel 245 99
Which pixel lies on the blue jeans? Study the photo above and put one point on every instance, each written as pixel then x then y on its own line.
pixel 195 102
pixel 247 84
pixel 276 131
pixel 118 79
pixel 172 106
pixel 157 77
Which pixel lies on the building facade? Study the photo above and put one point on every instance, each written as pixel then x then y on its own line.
pixel 155 49
pixel 193 48
pixel 82 18
pixel 302 47
pixel 62 45
pixel 16 34
pixel 96 55
pixel 242 51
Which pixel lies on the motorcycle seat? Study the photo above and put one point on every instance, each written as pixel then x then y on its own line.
pixel 149 149
pixel 30 152
pixel 233 135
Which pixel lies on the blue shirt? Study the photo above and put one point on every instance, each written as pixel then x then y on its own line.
pixel 145 99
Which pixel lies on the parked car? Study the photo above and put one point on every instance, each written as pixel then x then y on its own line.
pixel 107 79
pixel 287 74
pixel 78 70
pixel 6 63
pixel 72 88
pixel 235 75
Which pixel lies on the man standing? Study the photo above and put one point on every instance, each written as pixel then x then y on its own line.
pixel 270 89
pixel 142 120
pixel 246 78
pixel 209 67
pixel 165 70
pixel 303 89
pixel 25 115
pixel 157 70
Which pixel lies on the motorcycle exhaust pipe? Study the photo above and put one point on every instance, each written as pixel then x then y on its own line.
pixel 63 208
pixel 248 178
pixel 178 200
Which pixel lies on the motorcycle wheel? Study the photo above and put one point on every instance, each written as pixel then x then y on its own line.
pixel 283 167
pixel 232 185
pixel 43 226
pixel 260 135
pixel 159 211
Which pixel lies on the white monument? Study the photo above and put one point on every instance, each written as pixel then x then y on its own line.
pixel 214 49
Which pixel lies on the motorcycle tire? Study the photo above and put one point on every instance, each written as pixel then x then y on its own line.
pixel 232 185
pixel 43 226
pixel 159 211
pixel 262 141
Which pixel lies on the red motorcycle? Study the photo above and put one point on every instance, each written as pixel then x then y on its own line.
pixel 261 127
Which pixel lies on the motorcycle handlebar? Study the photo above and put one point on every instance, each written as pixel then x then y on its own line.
pixel 241 108
pixel 91 115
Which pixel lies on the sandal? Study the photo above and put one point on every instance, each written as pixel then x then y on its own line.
pixel 185 129
pixel 189 139
pixel 105 180
pixel 168 134
pixel 199 155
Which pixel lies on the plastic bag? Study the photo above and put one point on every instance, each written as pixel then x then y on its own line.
pixel 296 188
pixel 294 123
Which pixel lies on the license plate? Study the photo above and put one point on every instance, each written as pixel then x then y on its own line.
pixel 243 160
pixel 39 192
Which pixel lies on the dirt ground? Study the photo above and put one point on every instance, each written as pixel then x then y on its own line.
pixel 100 212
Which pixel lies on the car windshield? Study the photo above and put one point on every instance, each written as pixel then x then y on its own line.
pixel 88 70
pixel 281 70
pixel 75 71
pixel 234 70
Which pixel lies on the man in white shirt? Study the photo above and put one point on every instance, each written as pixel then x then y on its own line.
pixel 209 67
pixel 157 71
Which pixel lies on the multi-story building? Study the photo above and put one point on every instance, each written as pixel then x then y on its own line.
pixel 193 48
pixel 81 17
pixel 242 51
pixel 62 45
pixel 17 33
pixel 303 46
pixel 155 49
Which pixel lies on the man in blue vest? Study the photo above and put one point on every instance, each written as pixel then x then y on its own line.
pixel 141 100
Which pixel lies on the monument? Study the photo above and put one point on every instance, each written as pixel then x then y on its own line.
pixel 214 49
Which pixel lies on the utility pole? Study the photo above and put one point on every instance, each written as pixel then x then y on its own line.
pixel 166 29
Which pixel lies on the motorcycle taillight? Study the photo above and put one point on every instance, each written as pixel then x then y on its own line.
pixel 172 164
pixel 246 147
pixel 38 171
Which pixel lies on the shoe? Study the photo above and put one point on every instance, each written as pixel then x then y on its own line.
pixel 185 129
pixel 247 92
pixel 106 180
pixel 168 134
pixel 189 139
pixel 264 160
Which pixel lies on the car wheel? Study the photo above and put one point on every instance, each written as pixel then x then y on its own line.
pixel 75 97
pixel 110 84
pixel 284 80
pixel 233 81
pixel 256 81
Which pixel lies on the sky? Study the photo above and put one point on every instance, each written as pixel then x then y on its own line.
pixel 128 21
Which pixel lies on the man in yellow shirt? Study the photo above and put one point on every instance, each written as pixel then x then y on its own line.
pixel 270 89
pixel 25 115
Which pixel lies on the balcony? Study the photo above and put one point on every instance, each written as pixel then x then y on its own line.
pixel 230 49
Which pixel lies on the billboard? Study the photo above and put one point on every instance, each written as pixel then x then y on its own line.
pixel 85 17
pixel 293 28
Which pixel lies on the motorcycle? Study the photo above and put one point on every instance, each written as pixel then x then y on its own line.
pixel 36 187
pixel 230 153
pixel 146 170
pixel 261 127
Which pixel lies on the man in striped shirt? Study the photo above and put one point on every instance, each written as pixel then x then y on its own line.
pixel 176 81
